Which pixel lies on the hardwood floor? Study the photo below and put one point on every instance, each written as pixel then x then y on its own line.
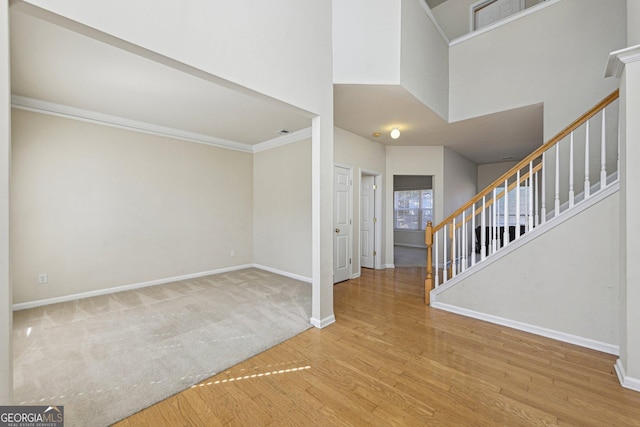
pixel 391 360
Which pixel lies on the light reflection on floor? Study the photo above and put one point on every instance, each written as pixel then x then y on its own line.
pixel 246 377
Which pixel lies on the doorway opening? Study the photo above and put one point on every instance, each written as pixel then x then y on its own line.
pixel 412 210
pixel 342 199
pixel 487 12
pixel 370 221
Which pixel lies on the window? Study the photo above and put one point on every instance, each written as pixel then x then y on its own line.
pixel 511 208
pixel 412 209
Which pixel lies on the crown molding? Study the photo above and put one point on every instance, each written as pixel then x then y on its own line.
pixel 290 138
pixel 619 58
pixel 55 109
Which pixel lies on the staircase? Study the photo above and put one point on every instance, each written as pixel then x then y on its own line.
pixel 568 173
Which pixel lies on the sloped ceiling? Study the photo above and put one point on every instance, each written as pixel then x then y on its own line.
pixel 57 65
pixel 367 109
pixel 435 3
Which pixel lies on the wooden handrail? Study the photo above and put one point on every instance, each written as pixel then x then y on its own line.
pixel 526 166
pixel 538 152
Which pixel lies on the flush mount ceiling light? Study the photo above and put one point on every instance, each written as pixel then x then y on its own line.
pixel 395 133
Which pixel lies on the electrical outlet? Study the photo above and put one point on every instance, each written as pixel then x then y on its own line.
pixel 233 252
pixel 43 278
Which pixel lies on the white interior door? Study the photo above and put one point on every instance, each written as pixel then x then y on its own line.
pixel 492 11
pixel 342 224
pixel 367 221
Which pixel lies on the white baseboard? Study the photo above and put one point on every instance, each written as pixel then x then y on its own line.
pixel 98 292
pixel 324 322
pixel 537 330
pixel 388 266
pixel 72 297
pixel 355 276
pixel 625 380
pixel 283 273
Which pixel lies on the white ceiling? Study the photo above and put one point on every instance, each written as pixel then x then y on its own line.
pixel 365 109
pixel 434 3
pixel 57 65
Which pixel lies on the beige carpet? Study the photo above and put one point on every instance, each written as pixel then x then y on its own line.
pixel 107 357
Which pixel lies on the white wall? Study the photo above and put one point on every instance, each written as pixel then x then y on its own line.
pixel 97 207
pixel 412 161
pixel 391 42
pixel 555 56
pixel 6 311
pixel 630 225
pixel 240 44
pixel 362 155
pixel 230 40
pixel 460 181
pixel 425 58
pixel 453 16
pixel 623 215
pixel 633 22
pixel 282 208
pixel 489 172
pixel 570 278
pixel 366 41
pixel 631 89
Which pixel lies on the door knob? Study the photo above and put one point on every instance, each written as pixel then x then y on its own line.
pixel 337 230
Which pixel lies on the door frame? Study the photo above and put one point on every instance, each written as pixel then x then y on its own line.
pixel 377 229
pixel 482 4
pixel 350 211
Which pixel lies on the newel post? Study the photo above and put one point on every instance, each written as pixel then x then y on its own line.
pixel 428 283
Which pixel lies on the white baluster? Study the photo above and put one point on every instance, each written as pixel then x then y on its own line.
pixel 459 243
pixel 517 224
pixel 587 184
pixel 454 261
pixel 474 252
pixel 465 240
pixel 494 237
pixel 543 190
pixel 483 230
pixel 603 152
pixel 536 186
pixel 436 250
pixel 618 163
pixel 460 248
pixel 571 191
pixel 445 270
pixel 530 192
pixel 505 211
pixel 557 196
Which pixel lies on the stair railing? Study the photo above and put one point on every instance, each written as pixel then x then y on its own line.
pixel 560 174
